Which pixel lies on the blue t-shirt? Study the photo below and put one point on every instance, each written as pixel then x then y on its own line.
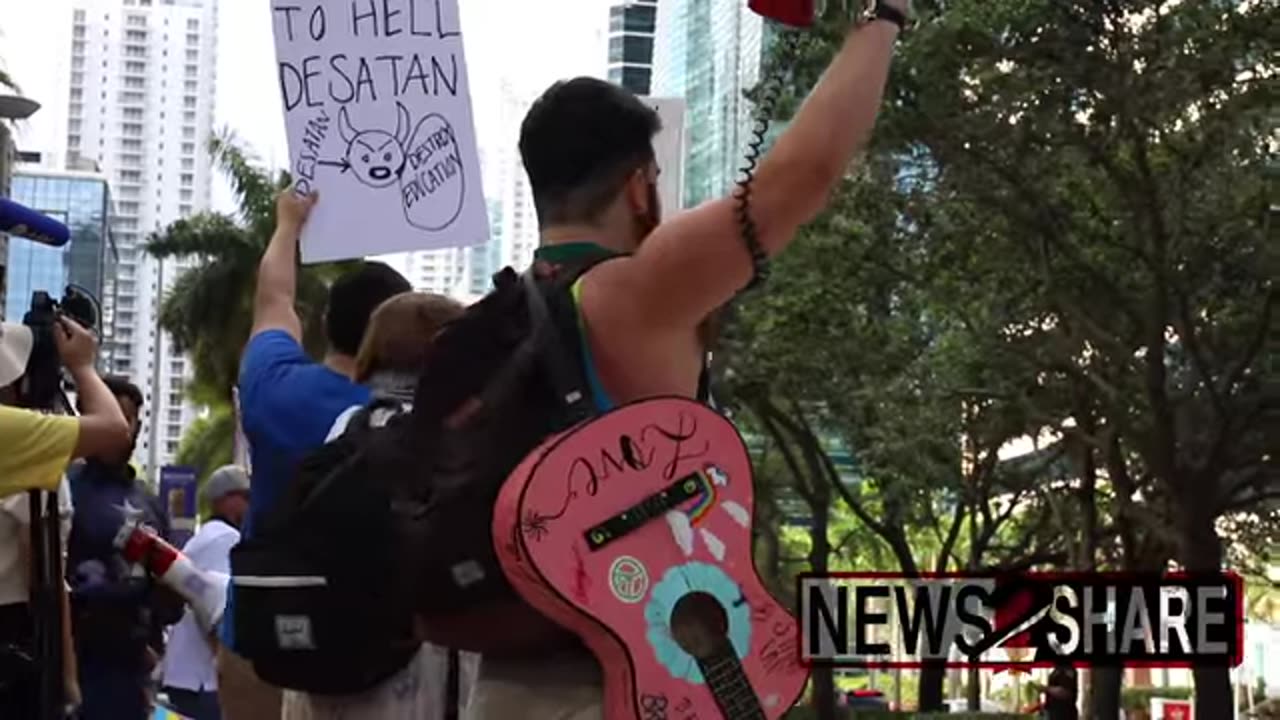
pixel 288 403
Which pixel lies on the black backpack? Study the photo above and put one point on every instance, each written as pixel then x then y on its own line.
pixel 392 518
pixel 317 608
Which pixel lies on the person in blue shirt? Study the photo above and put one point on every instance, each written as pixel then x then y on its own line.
pixel 288 402
pixel 117 616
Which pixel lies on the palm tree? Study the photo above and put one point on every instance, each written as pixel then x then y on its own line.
pixel 208 312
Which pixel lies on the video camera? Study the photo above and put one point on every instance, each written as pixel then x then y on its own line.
pixel 42 386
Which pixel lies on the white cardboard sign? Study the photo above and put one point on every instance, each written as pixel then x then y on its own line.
pixel 668 149
pixel 379 120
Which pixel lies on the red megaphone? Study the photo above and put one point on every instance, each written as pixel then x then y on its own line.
pixel 204 592
pixel 797 13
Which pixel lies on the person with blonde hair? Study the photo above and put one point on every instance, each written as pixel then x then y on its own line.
pixel 436 683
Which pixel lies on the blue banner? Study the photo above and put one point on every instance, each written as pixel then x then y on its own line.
pixel 178 491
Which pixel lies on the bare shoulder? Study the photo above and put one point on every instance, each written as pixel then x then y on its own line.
pixel 689 266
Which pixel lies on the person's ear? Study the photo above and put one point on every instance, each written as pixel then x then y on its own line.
pixel 637 190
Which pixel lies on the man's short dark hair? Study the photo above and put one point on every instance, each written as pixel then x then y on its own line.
pixel 579 141
pixel 353 298
pixel 119 387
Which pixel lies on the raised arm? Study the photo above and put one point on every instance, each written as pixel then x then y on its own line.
pixel 273 302
pixel 697 261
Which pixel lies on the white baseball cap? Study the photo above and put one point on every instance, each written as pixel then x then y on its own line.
pixel 15 351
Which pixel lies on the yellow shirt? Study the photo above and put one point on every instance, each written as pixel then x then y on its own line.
pixel 34 449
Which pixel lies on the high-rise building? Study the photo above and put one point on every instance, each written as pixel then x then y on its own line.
pixel 709 53
pixel 82 201
pixel 632 24
pixel 140 105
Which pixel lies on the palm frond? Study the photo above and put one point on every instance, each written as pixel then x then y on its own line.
pixel 206 445
pixel 209 235
pixel 6 80
pixel 253 187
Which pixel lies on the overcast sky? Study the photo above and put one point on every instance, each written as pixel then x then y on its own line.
pixel 522 41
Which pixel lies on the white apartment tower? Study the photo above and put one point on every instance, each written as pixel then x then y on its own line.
pixel 141 106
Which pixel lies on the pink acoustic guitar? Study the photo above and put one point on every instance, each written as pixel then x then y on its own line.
pixel 634 532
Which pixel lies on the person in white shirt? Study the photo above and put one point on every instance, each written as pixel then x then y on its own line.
pixel 190 678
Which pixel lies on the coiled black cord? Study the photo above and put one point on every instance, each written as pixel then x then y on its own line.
pixel 770 91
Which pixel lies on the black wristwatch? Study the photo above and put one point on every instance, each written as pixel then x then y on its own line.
pixel 881 10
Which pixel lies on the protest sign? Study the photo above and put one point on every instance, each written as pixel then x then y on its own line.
pixel 668 149
pixel 178 490
pixel 379 120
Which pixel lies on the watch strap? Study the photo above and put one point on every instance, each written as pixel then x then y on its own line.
pixel 884 11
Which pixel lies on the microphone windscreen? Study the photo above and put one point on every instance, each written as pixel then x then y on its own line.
pixel 20 220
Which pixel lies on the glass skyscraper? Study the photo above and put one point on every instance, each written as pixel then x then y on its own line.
pixel 83 202
pixel 632 25
pixel 709 52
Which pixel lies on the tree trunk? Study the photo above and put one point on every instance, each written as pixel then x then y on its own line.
pixel 1105 683
pixel 933 676
pixel 1201 551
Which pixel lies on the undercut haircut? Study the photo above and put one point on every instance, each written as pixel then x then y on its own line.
pixel 579 142
pixel 352 300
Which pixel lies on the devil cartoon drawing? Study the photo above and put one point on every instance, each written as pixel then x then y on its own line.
pixel 377 157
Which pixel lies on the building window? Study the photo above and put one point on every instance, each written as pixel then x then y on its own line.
pixel 184 210
pixel 193 39
pixel 135 35
pixel 632 49
pixel 188 148
pixel 189 101
pixel 133 66
pixel 187 178
pixel 193 55
pixel 136 21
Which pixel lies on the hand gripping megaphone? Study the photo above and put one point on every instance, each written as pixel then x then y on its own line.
pixel 204 592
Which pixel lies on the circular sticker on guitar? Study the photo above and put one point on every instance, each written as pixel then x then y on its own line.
pixel 628 579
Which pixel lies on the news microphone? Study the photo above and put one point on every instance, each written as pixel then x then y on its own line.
pixel 24 222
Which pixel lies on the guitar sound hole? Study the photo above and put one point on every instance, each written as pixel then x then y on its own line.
pixel 699 624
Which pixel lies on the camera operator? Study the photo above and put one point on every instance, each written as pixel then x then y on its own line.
pixel 34 450
pixel 37 447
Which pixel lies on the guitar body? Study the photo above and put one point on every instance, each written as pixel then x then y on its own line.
pixel 634 532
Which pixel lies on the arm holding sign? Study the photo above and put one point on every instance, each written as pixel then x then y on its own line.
pixel 278 272
pixel 696 262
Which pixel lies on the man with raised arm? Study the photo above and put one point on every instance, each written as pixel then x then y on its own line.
pixel 289 401
pixel 587 147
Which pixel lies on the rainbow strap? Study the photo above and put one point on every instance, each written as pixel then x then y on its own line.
pixel 163 713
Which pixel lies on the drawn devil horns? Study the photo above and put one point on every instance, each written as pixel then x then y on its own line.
pixel 349 133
